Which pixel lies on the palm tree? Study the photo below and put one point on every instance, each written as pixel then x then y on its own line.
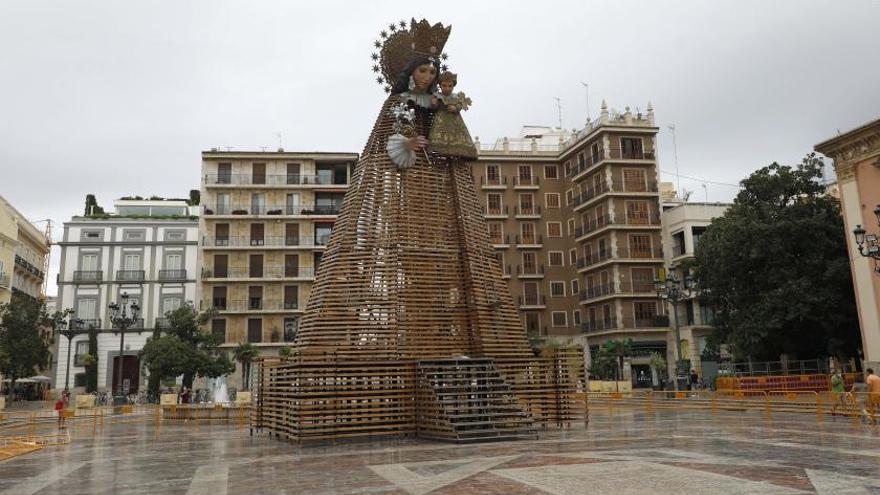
pixel 617 350
pixel 244 354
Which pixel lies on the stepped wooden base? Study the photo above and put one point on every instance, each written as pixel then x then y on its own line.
pixel 320 397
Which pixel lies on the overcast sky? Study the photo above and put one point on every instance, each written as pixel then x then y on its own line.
pixel 119 98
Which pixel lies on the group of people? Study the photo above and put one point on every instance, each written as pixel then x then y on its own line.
pixel 864 394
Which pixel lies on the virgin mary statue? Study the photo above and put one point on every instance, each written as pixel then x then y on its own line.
pixel 409 272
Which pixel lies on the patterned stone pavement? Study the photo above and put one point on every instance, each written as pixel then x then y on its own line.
pixel 620 452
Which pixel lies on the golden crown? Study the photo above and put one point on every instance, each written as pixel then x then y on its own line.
pixel 399 45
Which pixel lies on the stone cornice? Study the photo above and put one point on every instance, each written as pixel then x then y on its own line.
pixel 852 147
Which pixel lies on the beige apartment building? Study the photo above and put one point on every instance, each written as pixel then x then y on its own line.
pixel 856 157
pixel 24 254
pixel 575 222
pixel 266 219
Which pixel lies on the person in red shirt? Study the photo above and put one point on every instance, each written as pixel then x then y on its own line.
pixel 59 409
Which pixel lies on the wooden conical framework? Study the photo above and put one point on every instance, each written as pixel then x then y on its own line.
pixel 409 272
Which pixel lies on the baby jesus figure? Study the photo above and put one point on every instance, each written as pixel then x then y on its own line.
pixel 449 135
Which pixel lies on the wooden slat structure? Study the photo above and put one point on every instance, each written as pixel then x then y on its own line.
pixel 409 276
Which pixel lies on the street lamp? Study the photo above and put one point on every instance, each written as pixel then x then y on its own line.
pixel 673 290
pixel 74 328
pixel 868 244
pixel 123 316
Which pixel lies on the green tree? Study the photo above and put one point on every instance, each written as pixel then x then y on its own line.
pixel 285 352
pixel 245 354
pixel 22 350
pixel 92 207
pixel 184 350
pixel 775 268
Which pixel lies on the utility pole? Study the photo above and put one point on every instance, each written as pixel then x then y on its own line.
pixel 675 155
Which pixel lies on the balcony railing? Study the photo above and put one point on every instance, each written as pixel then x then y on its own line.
pixel 162 322
pixel 532 181
pixel 529 240
pixel 88 276
pixel 533 300
pixel 639 253
pixel 501 210
pixel 617 186
pixel 499 239
pixel 130 275
pixel 527 270
pixel 271 210
pixel 259 304
pixel 597 291
pixel 172 274
pixel 528 210
pixel 271 179
pixel 268 271
pixel 608 219
pixel 493 181
pixel 87 323
pixel 28 267
pixel 599 325
pixel 594 258
pixel 271 241
pixel 637 287
pixel 612 154
pixel 137 325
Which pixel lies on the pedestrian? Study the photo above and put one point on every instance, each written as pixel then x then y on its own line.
pixel 859 394
pixel 694 381
pixel 59 409
pixel 838 388
pixel 184 395
pixel 873 383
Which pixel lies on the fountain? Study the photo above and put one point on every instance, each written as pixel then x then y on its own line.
pixel 219 390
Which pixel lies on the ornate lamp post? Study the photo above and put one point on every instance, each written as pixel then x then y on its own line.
pixel 74 328
pixel 672 291
pixel 122 316
pixel 868 244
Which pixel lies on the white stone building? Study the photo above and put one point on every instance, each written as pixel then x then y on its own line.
pixel 147 249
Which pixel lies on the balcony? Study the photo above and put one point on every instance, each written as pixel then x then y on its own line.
pixel 529 241
pixel 28 267
pixel 617 186
pixel 647 321
pixel 86 276
pixel 499 212
pixel 322 240
pixel 611 154
pixel 267 241
pixel 533 211
pixel 271 180
pixel 499 240
pixel 162 323
pixel 130 275
pixel 594 258
pixel 599 325
pixel 259 304
pixel 529 271
pixel 597 291
pixel 638 288
pixel 90 323
pixel 268 272
pixel 271 210
pixel 609 220
pixel 526 182
pixel 137 325
pixel 640 254
pixel 493 182
pixel 532 302
pixel 169 275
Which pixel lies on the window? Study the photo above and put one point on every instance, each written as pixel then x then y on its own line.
pixel 555 258
pixel 291 297
pixel 606 313
pixel 255 266
pixel 557 289
pixel 697 233
pixel 569 197
pixel 219 297
pixel 526 204
pixel 218 330
pixel 634 180
pixel 293 204
pixel 560 319
pixel 291 265
pixel 530 293
pixel 224 203
pixel 551 172
pixel 293 173
pixel 637 213
pixel 530 262
pixel 170 304
pixel 580 159
pixel 527 230
pixel 255 297
pixel 493 177
pixel 92 235
pixel 291 234
pixel 175 235
pixel 322 233
pixel 575 286
pixel 258 203
pixel 82 347
pixel 131 262
pixel 576 314
pixel 257 234
pixel 133 235
pixel 493 202
pixel 640 245
pixel 594 152
pixel 525 173
pixel 89 262
pixel 291 327
pixel 499 258
pixel 258 173
pixel 221 266
pixel 631 148
pixel 644 312
pixel 554 229
pixel 496 233
pixel 173 261
pixel 255 330
pixel 552 200
pixel 224 173
pixel 642 279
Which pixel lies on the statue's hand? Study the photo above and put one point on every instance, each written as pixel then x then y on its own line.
pixel 416 143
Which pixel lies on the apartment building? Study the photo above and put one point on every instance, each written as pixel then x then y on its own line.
pixel 24 254
pixel 266 220
pixel 683 224
pixel 146 249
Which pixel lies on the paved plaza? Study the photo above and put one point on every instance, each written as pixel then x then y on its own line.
pixel 621 452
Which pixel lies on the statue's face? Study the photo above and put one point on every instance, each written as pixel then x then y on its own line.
pixel 424 75
pixel 446 87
